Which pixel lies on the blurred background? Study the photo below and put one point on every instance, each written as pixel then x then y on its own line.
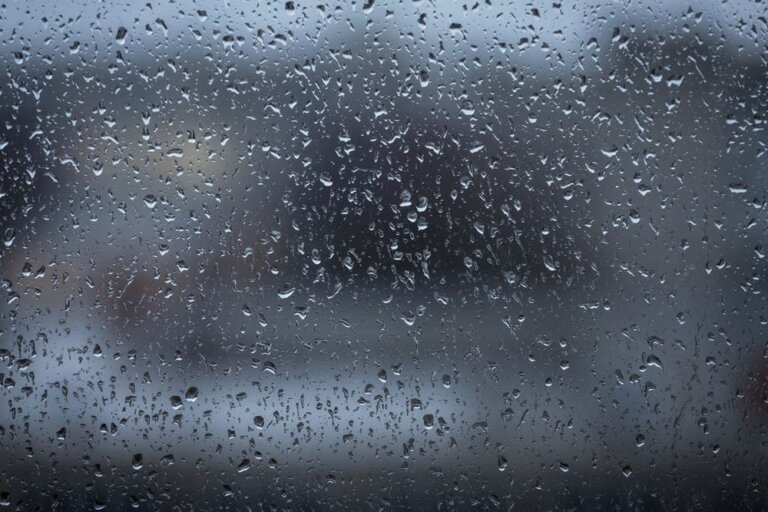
pixel 381 255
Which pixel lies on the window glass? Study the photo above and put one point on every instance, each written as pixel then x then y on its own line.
pixel 383 255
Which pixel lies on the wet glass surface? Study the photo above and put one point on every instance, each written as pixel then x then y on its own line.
pixel 383 255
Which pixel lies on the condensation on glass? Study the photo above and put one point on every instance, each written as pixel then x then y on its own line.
pixel 383 255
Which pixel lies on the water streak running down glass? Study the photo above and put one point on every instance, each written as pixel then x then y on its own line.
pixel 383 255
